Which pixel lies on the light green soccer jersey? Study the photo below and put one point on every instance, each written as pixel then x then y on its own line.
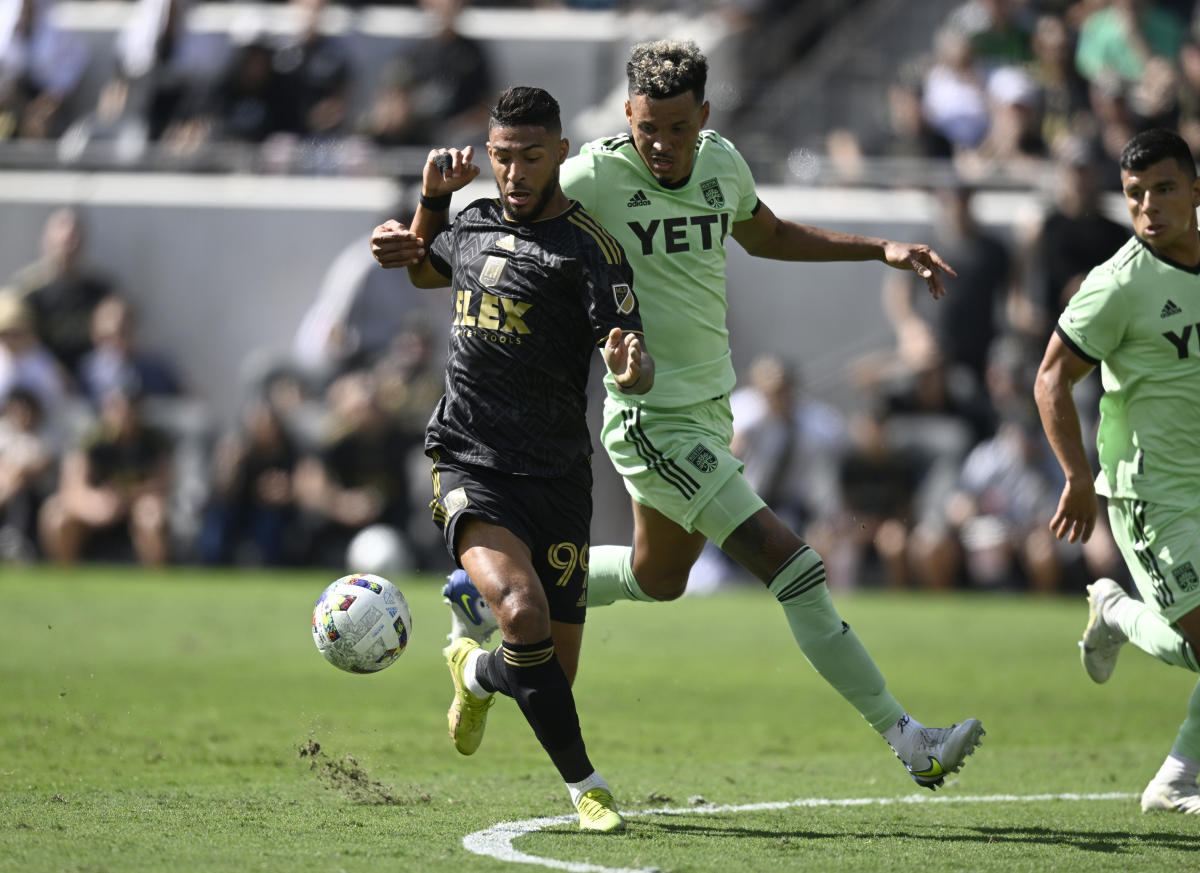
pixel 1138 316
pixel 675 241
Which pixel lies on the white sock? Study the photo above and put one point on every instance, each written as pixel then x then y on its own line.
pixel 578 789
pixel 469 674
pixel 1178 768
pixel 902 735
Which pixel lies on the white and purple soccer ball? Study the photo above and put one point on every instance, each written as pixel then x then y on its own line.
pixel 361 623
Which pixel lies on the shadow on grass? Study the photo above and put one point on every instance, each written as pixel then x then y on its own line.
pixel 1107 842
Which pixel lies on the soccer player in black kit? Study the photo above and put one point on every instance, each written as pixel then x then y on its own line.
pixel 538 285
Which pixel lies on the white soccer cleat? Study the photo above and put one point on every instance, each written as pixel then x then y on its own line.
pixel 1101 641
pixel 1171 797
pixel 470 616
pixel 938 751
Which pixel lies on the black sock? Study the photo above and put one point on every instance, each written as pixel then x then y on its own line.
pixel 531 675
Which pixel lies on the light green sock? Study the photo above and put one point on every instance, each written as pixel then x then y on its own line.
pixel 1151 633
pixel 828 643
pixel 610 577
pixel 1187 742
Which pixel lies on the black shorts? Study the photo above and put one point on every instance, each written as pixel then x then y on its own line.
pixel 552 516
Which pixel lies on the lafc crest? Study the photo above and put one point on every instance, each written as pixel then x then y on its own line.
pixel 623 297
pixel 456 501
pixel 492 268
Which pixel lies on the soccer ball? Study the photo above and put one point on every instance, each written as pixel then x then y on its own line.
pixel 361 623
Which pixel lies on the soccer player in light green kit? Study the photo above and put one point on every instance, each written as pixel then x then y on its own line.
pixel 673 194
pixel 1137 316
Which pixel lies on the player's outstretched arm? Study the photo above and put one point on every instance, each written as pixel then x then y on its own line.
pixel 765 235
pixel 626 357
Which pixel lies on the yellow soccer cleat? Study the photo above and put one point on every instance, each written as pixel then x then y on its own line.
pixel 597 812
pixel 468 713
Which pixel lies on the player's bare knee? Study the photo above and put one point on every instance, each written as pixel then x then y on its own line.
pixel 521 618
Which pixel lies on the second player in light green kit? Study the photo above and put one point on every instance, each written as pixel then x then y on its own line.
pixel 1137 316
pixel 673 194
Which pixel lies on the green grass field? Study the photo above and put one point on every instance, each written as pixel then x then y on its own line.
pixel 183 721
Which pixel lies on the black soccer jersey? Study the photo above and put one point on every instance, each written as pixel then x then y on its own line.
pixel 532 301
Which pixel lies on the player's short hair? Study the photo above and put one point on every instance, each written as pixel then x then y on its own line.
pixel 666 68
pixel 523 106
pixel 1156 144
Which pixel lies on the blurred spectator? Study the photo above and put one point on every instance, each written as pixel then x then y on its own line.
pixel 164 64
pixel 1001 505
pixel 317 75
pixel 1189 93
pixel 252 509
pixel 788 442
pixel 358 311
pixel 25 458
pixel 116 358
pixel 1064 93
pixel 1071 237
pixel 906 139
pixel 24 362
pixel 392 118
pixel 790 445
pixel 1013 148
pixel 60 290
pixel 357 478
pixel 867 543
pixel 1000 511
pixel 1121 37
pixel 449 77
pixel 410 379
pixel 112 491
pixel 964 323
pixel 1000 31
pixel 249 101
pixel 111 123
pixel 954 98
pixel 41 66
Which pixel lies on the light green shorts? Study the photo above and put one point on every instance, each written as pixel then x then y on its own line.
pixel 677 461
pixel 1161 546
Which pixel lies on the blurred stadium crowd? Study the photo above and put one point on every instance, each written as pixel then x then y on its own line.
pixel 936 476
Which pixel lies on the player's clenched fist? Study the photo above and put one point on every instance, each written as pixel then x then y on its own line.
pixel 394 245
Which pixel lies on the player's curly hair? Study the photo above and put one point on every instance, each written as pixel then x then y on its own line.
pixel 521 105
pixel 1151 146
pixel 667 68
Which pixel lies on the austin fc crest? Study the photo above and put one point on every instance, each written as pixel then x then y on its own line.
pixel 1185 577
pixel 702 459
pixel 712 193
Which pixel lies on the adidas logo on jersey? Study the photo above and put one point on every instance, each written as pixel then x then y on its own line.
pixel 1169 309
pixel 639 199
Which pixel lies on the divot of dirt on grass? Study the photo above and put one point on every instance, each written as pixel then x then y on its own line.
pixel 349 778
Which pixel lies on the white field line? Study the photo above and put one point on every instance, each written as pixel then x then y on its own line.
pixel 497 840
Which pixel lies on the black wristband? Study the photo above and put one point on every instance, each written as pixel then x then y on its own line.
pixel 437 204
